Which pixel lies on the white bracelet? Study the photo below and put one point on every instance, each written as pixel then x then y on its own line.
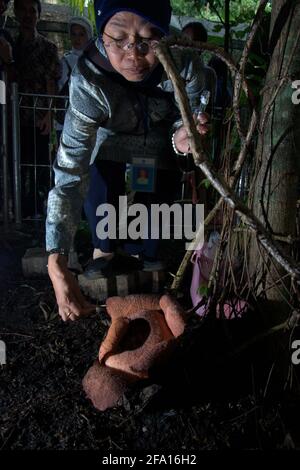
pixel 175 149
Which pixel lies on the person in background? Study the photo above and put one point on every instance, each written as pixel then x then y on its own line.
pixel 192 176
pixel 38 70
pixel 80 33
pixel 216 68
pixel 223 91
pixel 197 32
pixel 6 43
pixel 7 74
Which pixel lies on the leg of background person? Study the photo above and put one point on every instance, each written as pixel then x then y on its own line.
pixel 10 174
pixel 35 182
pixel 27 172
pixel 58 136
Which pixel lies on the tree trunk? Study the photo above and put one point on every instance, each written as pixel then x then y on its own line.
pixel 278 151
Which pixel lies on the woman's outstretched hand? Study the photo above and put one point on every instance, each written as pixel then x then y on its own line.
pixel 181 137
pixel 71 303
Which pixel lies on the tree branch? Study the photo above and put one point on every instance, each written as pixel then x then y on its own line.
pixel 202 162
pixel 183 41
pixel 245 142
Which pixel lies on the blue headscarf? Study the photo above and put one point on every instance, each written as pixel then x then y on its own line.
pixel 157 12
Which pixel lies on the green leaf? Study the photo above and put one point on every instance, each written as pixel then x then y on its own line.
pixel 240 34
pixel 217 28
pixel 206 183
pixel 256 59
pixel 203 290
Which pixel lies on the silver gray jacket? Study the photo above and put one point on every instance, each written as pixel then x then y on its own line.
pixel 103 121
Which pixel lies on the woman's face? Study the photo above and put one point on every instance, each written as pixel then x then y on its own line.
pixel 78 36
pixel 134 63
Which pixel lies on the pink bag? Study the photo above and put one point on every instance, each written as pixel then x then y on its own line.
pixel 203 262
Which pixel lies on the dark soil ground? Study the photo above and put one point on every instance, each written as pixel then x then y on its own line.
pixel 207 398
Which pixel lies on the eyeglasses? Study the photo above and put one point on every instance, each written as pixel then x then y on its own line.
pixel 143 45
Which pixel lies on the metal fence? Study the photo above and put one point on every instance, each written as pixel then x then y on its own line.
pixel 14 132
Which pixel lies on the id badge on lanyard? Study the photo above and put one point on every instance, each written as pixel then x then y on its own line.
pixel 143 174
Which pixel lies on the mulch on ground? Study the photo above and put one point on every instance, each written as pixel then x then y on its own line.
pixel 198 403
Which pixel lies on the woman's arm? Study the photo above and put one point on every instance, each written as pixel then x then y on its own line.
pixel 84 116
